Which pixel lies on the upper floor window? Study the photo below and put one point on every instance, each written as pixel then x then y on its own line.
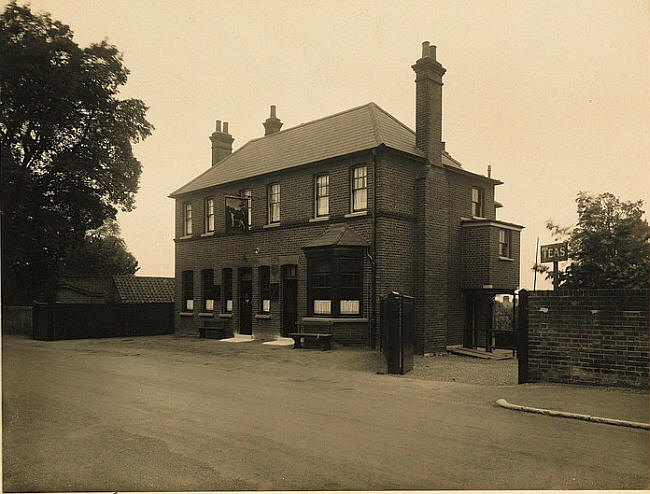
pixel 209 214
pixel 249 196
pixel 322 195
pixel 359 185
pixel 505 243
pixel 187 218
pixel 273 197
pixel 478 202
pixel 188 291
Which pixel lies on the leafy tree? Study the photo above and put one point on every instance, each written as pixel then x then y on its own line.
pixel 102 252
pixel 65 141
pixel 608 247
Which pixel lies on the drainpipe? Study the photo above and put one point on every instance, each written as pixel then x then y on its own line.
pixel 373 315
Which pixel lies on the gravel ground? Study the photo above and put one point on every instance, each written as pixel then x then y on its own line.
pixel 446 367
pixel 468 370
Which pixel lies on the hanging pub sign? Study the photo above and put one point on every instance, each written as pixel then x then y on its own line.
pixel 554 252
pixel 237 213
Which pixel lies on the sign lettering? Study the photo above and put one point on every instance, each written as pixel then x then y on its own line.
pixel 554 252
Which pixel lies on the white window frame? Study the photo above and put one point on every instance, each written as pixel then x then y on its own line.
pixel 357 189
pixel 318 188
pixel 273 199
pixel 209 214
pixel 187 218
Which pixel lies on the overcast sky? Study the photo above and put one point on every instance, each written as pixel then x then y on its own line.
pixel 552 94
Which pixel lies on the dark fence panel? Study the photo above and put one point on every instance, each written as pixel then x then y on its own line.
pixel 70 321
pixel 522 337
pixel 17 319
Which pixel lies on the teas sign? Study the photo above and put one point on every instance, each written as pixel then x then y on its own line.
pixel 554 252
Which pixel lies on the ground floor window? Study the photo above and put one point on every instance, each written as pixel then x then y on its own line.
pixel 208 289
pixel 188 290
pixel 265 288
pixel 335 285
pixel 226 282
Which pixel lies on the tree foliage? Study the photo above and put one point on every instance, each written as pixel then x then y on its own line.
pixel 66 140
pixel 102 252
pixel 608 247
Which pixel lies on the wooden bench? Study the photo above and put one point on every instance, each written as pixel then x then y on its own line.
pixel 321 337
pixel 305 330
pixel 214 326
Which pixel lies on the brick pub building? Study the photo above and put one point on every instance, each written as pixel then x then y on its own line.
pixel 318 222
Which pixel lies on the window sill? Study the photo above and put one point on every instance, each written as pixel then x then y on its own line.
pixel 184 237
pixel 206 314
pixel 334 319
pixel 208 234
pixel 271 225
pixel 262 316
pixel 186 314
pixel 319 218
pixel 509 259
pixel 227 315
pixel 356 213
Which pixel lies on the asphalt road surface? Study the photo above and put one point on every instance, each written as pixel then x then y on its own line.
pixel 137 415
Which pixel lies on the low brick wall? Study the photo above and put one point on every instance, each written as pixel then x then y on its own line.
pixel 588 337
pixel 17 319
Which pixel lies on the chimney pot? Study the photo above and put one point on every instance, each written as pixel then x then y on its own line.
pixel 221 143
pixel 272 124
pixel 428 104
pixel 425 49
pixel 489 171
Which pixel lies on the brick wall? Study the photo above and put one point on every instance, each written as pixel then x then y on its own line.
pixel 588 337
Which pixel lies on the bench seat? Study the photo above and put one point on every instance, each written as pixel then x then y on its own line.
pixel 324 338
pixel 214 326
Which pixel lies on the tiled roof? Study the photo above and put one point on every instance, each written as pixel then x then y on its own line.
pixel 358 129
pixel 144 289
pixel 338 235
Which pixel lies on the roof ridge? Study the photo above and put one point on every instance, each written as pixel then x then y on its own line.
pixel 394 118
pixel 349 110
pixel 372 107
pixel 312 121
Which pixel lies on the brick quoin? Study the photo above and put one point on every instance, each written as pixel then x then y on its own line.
pixel 416 229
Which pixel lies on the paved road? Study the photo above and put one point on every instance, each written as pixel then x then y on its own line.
pixel 136 415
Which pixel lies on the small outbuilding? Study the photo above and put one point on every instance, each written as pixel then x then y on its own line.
pixel 109 306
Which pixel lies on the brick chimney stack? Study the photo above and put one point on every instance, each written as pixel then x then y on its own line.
pixel 428 104
pixel 221 143
pixel 272 124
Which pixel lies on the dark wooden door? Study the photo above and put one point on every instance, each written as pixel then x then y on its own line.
pixel 289 299
pixel 471 322
pixel 245 301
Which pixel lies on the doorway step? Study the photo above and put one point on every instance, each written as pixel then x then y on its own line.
pixel 239 338
pixel 279 341
pixel 496 354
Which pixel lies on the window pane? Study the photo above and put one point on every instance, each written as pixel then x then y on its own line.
pixel 274 203
pixel 349 306
pixel 360 201
pixel 322 306
pixel 322 195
